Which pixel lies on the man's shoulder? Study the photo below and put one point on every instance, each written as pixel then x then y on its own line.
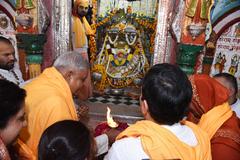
pixel 133 142
pixel 196 129
pixel 40 84
pixel 129 147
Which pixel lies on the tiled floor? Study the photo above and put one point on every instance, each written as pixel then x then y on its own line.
pixel 116 100
pixel 123 108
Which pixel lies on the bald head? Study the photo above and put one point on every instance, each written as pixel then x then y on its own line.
pixel 230 82
pixel 74 69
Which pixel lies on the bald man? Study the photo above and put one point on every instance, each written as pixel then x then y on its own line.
pixel 230 82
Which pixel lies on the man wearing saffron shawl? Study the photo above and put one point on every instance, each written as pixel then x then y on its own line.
pixel 166 95
pixel 211 111
pixel 80 29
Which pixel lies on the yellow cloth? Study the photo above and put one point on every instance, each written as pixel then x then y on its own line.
pixel 25 153
pixel 159 143
pixel 204 8
pixel 83 3
pixel 49 99
pixel 80 30
pixel 214 118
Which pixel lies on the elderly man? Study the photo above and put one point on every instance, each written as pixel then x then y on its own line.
pixel 8 68
pixel 230 82
pixel 49 99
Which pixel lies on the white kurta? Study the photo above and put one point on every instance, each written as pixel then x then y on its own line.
pixel 130 148
pixel 236 107
pixel 13 75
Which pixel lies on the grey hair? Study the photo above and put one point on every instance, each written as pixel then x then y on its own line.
pixel 71 59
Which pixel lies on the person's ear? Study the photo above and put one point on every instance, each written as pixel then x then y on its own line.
pixel 68 75
pixel 231 91
pixel 144 106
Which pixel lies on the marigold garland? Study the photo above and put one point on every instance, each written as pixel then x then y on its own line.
pixel 93 49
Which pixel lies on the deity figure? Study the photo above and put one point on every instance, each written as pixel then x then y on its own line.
pixel 237 30
pixel 234 64
pixel 195 21
pixel 27 10
pixel 196 6
pixel 121 62
pixel 190 27
pixel 220 62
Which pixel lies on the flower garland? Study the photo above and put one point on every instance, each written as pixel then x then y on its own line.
pixel 151 26
pixel 130 72
pixel 130 43
pixel 99 68
pixel 125 76
pixel 114 41
pixel 92 42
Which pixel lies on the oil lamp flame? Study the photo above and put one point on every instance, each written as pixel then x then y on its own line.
pixel 111 123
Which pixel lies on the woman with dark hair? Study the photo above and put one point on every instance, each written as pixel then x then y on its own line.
pixel 211 111
pixel 11 115
pixel 66 140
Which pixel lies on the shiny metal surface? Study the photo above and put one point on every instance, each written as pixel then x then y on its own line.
pixel 97 76
pixel 61 25
pixel 161 40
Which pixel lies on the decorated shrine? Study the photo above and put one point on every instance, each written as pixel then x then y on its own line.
pixel 120 40
pixel 127 38
pixel 122 57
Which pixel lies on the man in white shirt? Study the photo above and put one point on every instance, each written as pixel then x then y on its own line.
pixel 8 69
pixel 230 82
pixel 164 134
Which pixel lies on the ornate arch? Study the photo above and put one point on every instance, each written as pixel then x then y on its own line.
pixel 226 20
pixel 8 9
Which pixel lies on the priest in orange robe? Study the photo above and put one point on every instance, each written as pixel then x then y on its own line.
pixel 49 100
pixel 211 111
pixel 80 29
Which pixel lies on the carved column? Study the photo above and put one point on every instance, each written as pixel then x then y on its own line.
pixel 61 26
pixel 33 47
pixel 187 56
pixel 163 39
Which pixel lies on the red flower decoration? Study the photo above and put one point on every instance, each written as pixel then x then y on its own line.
pixel 103 128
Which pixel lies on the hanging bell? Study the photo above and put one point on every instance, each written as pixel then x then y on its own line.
pixel 18 4
pixel 28 4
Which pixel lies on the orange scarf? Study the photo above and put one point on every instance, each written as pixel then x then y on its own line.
pixel 207 93
pixel 54 76
pixel 81 29
pixel 25 153
pixel 159 143
pixel 209 103
pixel 214 119
pixel 49 100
